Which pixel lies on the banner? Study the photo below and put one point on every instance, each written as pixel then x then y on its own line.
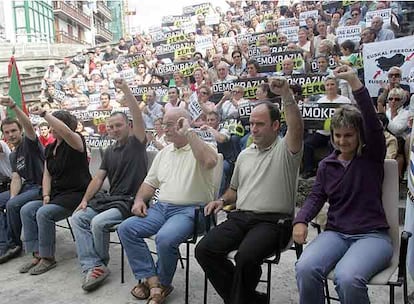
pixel 379 57
pixel 187 68
pixel 162 38
pixel 15 88
pixel 174 20
pixel 174 51
pixel 352 32
pixel 277 48
pixel 194 107
pixel 273 62
pixel 331 64
pixel 317 116
pixel 272 38
pixel 287 22
pixel 249 84
pixel 197 9
pixel 212 19
pixel 97 141
pixel 203 43
pixel 312 84
pixel 140 91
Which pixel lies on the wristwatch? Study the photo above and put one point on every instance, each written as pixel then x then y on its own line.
pixel 223 200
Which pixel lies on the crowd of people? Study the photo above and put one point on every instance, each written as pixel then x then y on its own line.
pixel 188 105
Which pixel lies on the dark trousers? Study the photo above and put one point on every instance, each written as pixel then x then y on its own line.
pixel 311 143
pixel 255 236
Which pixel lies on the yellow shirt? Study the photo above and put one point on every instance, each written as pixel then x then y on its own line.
pixel 180 178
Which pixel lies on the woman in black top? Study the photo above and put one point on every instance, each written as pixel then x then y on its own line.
pixel 65 179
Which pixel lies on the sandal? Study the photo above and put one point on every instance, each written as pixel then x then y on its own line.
pixel 43 266
pixel 141 291
pixel 29 265
pixel 159 298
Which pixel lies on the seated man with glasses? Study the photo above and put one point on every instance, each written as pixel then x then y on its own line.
pixel 183 172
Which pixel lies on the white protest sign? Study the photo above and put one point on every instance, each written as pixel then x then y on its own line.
pixel 290 32
pixel 212 19
pixel 127 74
pixel 352 33
pixel 305 15
pixel 379 57
pixel 203 43
pixel 188 27
pixel 287 22
pixel 385 14
pixel 94 101
pixel 194 107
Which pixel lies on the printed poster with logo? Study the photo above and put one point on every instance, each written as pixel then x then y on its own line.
pixel 379 57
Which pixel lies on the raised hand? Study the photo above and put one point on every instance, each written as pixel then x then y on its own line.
pixel 182 126
pixel 279 86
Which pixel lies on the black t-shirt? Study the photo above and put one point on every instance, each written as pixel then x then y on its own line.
pixel 126 166
pixel 27 160
pixel 69 168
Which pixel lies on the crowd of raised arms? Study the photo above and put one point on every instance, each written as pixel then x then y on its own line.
pixel 206 92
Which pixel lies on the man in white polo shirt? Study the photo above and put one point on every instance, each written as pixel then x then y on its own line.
pixel 263 187
pixel 183 173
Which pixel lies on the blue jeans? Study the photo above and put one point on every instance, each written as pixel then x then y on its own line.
pixel 172 224
pixel 92 236
pixel 409 226
pixel 356 259
pixel 11 221
pixel 39 228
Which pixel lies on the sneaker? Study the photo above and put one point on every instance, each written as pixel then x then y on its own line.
pixel 11 253
pixel 95 277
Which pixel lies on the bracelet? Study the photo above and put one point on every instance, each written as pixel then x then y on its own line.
pixel 288 100
pixel 13 106
pixel 223 200
pixel 43 114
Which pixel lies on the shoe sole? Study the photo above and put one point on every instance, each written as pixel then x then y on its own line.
pixel 95 283
pixel 43 270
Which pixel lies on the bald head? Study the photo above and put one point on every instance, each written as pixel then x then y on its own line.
pixel 175 113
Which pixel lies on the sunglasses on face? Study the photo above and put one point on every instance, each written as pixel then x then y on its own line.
pixel 394 75
pixel 203 93
pixel 394 98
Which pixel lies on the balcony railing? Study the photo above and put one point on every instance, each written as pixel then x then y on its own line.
pixel 72 12
pixel 103 32
pixel 104 10
pixel 63 37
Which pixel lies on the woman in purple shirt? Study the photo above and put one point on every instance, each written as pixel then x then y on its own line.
pixel 355 243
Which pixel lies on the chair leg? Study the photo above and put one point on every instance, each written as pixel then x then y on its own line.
pixel 328 297
pixel 392 294
pixel 187 271
pixel 122 265
pixel 205 288
pixel 269 280
pixel 405 291
pixel 70 228
pixel 180 258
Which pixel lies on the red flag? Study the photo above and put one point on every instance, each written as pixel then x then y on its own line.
pixel 15 88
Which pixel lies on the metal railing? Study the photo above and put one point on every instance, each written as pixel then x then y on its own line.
pixel 104 32
pixel 103 9
pixel 64 37
pixel 72 12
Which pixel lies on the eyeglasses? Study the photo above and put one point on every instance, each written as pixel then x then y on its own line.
pixel 396 75
pixel 203 93
pixel 141 67
pixel 394 98
pixel 168 125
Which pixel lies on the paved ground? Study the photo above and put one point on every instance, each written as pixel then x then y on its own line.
pixel 62 284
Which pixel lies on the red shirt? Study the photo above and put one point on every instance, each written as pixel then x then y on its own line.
pixel 45 141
